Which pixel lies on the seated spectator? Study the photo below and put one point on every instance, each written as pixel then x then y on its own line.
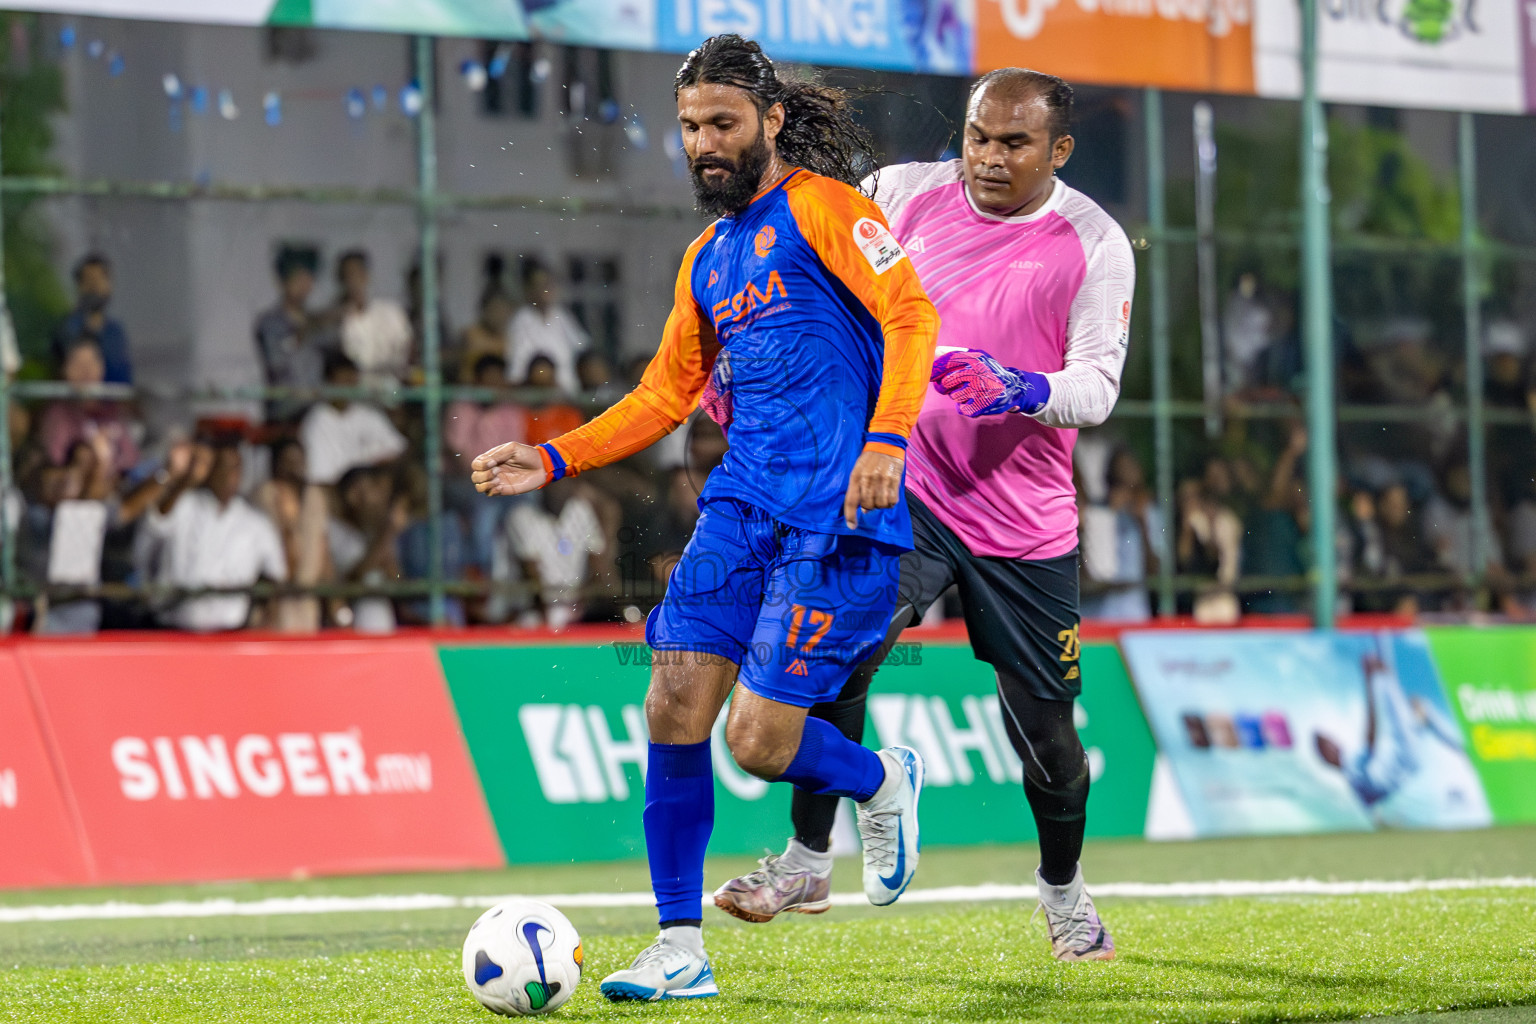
pixel 415 552
pixel 1362 553
pixel 1406 550
pixel 488 334
pixel 1210 545
pixel 1522 542
pixel 555 418
pixel 470 429
pixel 202 533
pixel 1276 531
pixel 62 530
pixel 363 539
pixel 596 375
pixel 544 327
pixel 298 509
pixel 1120 541
pixel 93 290
pixel 556 539
pixel 67 422
pixel 341 435
pixel 375 333
pixel 1449 525
pixel 288 337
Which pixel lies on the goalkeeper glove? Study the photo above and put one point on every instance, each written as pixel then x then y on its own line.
pixel 716 397
pixel 981 386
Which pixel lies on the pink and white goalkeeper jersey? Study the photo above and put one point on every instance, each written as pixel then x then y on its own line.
pixel 1048 292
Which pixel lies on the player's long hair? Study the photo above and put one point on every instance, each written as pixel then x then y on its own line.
pixel 819 131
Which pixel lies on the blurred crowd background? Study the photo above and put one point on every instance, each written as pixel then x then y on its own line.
pixel 219 415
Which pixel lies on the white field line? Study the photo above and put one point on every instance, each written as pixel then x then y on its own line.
pixel 987 893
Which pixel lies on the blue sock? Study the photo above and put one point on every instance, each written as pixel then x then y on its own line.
pixel 679 814
pixel 830 763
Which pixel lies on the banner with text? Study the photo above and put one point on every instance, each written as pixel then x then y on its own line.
pixel 558 735
pixel 1276 732
pixel 1448 54
pixel 39 844
pixel 206 759
pixel 1490 676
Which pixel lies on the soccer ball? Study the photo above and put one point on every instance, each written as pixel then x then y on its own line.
pixel 522 957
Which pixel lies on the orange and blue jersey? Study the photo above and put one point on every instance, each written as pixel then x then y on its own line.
pixel 810 317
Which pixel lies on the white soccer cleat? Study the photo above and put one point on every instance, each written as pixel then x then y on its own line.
pixel 1077 932
pixel 888 827
pixel 662 971
pixel 775 888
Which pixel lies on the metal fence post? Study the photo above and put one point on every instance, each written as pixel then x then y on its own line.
pixel 431 342
pixel 1162 355
pixel 1317 325
pixel 1472 312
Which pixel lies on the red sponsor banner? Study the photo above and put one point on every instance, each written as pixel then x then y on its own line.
pixel 39 844
pixel 207 759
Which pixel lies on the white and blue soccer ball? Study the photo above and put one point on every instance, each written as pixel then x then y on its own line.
pixel 522 957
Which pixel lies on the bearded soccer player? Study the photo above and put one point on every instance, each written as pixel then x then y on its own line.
pixel 1033 282
pixel 799 322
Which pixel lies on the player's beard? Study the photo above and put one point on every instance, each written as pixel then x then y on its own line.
pixel 744 177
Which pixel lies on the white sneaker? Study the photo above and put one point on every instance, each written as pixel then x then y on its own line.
pixel 888 827
pixel 1077 933
pixel 662 971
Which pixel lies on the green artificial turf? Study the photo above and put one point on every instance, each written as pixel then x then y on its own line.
pixel 1308 958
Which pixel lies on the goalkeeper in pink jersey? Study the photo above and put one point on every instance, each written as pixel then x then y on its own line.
pixel 1033 283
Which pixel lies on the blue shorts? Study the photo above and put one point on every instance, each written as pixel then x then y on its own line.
pixel 797 610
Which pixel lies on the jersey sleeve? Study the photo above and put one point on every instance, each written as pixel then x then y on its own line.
pixel 664 398
pixel 851 236
pixel 1084 390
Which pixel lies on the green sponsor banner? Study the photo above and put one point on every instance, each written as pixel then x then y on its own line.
pixel 558 736
pixel 1490 678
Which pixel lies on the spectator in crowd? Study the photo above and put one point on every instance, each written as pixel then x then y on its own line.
pixel 488 334
pixel 1119 542
pixel 364 543
pixel 1522 541
pixel 596 375
pixel 472 428
pixel 63 527
pixel 415 551
pixel 341 435
pixel 1362 552
pixel 203 534
pixel 93 291
pixel 552 418
pixel 297 508
pixel 1210 542
pixel 1449 525
pixel 67 422
pixel 288 338
pixel 557 539
pixel 544 327
pixel 375 333
pixel 1509 384
pixel 1276 531
pixel 1407 551
pixel 1260 358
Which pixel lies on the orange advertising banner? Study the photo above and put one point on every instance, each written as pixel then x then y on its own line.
pixel 1194 45
pixel 206 759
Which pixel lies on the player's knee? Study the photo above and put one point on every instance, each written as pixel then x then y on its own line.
pixel 674 712
pixel 756 752
pixel 1057 771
